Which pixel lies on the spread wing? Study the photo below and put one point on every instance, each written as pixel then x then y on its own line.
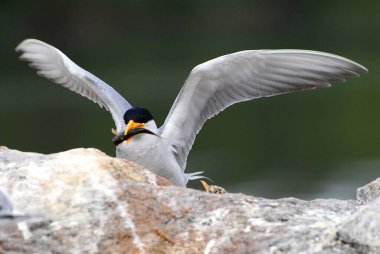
pixel 52 64
pixel 246 75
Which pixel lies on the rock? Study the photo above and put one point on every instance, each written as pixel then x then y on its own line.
pixel 369 192
pixel 72 190
pixel 92 203
pixel 362 230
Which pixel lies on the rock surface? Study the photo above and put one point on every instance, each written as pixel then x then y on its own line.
pixel 369 192
pixel 84 201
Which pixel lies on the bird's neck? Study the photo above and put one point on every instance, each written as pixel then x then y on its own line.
pixel 151 125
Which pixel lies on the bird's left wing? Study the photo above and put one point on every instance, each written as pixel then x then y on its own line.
pixel 221 82
pixel 52 64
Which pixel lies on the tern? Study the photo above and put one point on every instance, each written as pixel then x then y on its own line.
pixel 210 88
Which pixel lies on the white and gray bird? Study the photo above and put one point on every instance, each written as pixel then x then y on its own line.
pixel 210 88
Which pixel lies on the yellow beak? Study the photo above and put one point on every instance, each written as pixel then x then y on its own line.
pixel 205 185
pixel 131 124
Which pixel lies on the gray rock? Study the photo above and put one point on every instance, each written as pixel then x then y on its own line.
pixel 362 230
pixel 369 192
pixel 93 203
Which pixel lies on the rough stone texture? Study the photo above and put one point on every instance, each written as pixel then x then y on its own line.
pixel 88 202
pixel 362 230
pixel 369 192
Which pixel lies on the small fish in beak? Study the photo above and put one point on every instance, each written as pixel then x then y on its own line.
pixel 131 130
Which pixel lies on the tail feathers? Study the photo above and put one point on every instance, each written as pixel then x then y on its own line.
pixel 195 176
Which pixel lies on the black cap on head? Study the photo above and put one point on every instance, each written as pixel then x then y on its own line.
pixel 138 115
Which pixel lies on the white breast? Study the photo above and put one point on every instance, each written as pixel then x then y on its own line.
pixel 154 153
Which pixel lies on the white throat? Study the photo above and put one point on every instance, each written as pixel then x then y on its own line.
pixel 151 125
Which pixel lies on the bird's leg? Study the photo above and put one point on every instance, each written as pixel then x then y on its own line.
pixel 205 185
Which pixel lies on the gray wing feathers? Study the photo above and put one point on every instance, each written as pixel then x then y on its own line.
pixel 223 81
pixel 52 64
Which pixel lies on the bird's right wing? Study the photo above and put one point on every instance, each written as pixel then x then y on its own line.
pixel 242 76
pixel 52 64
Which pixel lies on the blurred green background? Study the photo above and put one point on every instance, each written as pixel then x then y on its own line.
pixel 318 144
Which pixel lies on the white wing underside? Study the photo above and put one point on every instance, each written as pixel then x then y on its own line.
pixel 246 75
pixel 52 64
